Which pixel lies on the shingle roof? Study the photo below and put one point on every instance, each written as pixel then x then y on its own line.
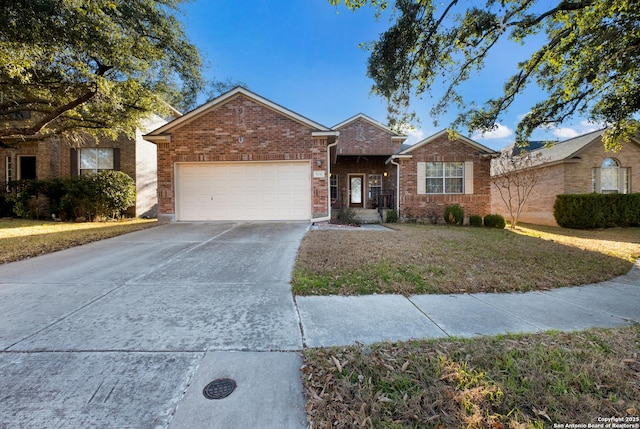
pixel 560 151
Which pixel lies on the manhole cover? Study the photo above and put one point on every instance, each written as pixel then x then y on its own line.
pixel 220 388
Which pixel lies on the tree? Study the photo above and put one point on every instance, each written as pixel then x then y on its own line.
pixel 514 176
pixel 588 65
pixel 98 67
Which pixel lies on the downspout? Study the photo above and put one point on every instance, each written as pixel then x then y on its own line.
pixel 329 146
pixel 397 186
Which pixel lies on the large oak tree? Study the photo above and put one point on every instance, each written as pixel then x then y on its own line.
pixel 94 67
pixel 588 64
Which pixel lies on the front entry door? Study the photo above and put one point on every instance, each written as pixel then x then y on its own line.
pixel 356 191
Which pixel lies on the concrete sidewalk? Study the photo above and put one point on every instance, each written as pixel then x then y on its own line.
pixel 339 320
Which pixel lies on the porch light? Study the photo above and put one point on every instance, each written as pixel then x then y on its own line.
pixel 385 174
pixel 319 163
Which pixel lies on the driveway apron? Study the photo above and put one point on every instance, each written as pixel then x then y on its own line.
pixel 127 332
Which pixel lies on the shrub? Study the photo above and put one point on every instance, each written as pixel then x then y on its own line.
pixel 31 200
pixel 494 221
pixel 392 216
pixel 347 216
pixel 454 215
pixel 106 195
pixel 585 211
pixel 115 192
pixel 475 220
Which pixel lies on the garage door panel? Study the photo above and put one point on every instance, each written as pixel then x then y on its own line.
pixel 244 191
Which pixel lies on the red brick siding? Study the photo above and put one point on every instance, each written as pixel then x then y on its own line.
pixel 431 207
pixel 242 130
pixel 362 137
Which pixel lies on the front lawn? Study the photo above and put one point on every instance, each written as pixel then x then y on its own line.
pixel 20 238
pixel 520 382
pixel 419 259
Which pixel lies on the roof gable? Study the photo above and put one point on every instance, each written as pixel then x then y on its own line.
pixel 440 134
pixel 362 116
pixel 226 97
pixel 360 135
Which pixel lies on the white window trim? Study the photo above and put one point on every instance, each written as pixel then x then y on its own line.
pixel 467 179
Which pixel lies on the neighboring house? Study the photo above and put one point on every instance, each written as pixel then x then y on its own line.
pixel 54 157
pixel 243 157
pixel 576 166
pixel 438 172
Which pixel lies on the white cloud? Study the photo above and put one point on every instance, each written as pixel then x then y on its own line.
pixel 500 132
pixel 414 136
pixel 565 133
pixel 589 126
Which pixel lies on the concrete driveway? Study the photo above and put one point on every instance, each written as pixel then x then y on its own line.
pixel 128 331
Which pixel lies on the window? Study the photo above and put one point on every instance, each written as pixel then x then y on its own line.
pixel 375 186
pixel 444 177
pixel 9 169
pixel 93 160
pixel 27 167
pixel 610 178
pixel 333 183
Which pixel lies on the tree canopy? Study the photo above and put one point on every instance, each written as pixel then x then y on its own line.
pixel 588 65
pixel 94 66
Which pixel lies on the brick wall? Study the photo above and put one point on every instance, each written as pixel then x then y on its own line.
pixel 431 207
pixel 538 208
pixel 361 137
pixel 53 156
pixel 571 177
pixel 242 130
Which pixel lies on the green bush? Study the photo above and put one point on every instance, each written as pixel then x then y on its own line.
pixel 32 201
pixel 475 220
pixel 454 215
pixel 494 221
pixel 347 216
pixel 392 216
pixel 586 211
pixel 104 195
pixel 115 192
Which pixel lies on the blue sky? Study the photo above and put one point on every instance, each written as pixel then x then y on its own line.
pixel 305 56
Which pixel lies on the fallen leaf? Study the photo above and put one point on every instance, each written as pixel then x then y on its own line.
pixel 336 362
pixel 542 413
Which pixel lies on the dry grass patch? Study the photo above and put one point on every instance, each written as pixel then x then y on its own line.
pixel 20 238
pixel 416 259
pixel 526 381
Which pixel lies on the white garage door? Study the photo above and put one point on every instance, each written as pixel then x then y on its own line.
pixel 243 191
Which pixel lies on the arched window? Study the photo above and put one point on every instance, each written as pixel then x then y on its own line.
pixel 611 178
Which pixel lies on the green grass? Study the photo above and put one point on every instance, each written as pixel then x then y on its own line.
pixel 417 259
pixel 513 381
pixel 20 238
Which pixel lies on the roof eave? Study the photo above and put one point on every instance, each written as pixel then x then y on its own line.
pixel 397 156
